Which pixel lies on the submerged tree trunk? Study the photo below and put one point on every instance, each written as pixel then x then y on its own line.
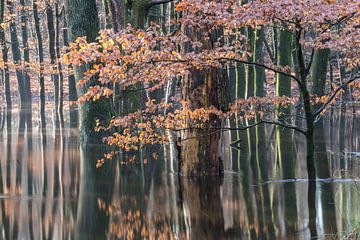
pixel 202 88
pixel 83 20
pixel 40 60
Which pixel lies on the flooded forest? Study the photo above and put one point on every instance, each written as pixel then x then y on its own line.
pixel 179 119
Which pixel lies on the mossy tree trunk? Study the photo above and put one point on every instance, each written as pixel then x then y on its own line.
pixel 82 18
pixel 284 136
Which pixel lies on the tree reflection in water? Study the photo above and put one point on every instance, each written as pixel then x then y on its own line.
pixel 51 188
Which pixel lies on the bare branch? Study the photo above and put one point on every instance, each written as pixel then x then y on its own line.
pixel 333 95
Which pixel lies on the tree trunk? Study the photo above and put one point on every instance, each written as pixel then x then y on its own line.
pixel 52 51
pixel 74 118
pixel 117 9
pixel 4 50
pixel 41 61
pixel 319 71
pixel 283 88
pixel 26 55
pixel 82 18
pixel 202 88
pixel 58 63
pixel 16 54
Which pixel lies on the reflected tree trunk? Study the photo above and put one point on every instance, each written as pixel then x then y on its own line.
pixel 96 188
pixel 203 213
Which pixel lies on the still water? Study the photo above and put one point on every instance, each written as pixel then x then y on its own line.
pixel 51 189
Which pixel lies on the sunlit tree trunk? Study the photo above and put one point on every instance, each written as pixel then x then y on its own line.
pixel 40 60
pixel 82 18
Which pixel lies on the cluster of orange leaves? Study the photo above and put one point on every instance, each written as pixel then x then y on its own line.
pixel 153 59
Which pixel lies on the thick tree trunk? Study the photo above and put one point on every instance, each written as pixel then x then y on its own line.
pixel 202 88
pixel 41 61
pixel 83 20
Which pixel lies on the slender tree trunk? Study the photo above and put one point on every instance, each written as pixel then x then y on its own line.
pixel 319 71
pixel 41 61
pixel 82 18
pixel 58 63
pixel 4 50
pixel 16 54
pixel 26 56
pixel 249 92
pixel 283 88
pixel 259 72
pixel 74 118
pixel 118 11
pixel 52 51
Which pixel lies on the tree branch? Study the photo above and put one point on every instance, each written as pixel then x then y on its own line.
pixel 329 100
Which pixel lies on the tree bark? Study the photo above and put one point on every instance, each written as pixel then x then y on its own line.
pixel 82 18
pixel 283 88
pixel 4 50
pixel 16 54
pixel 202 88
pixel 52 51
pixel 40 50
